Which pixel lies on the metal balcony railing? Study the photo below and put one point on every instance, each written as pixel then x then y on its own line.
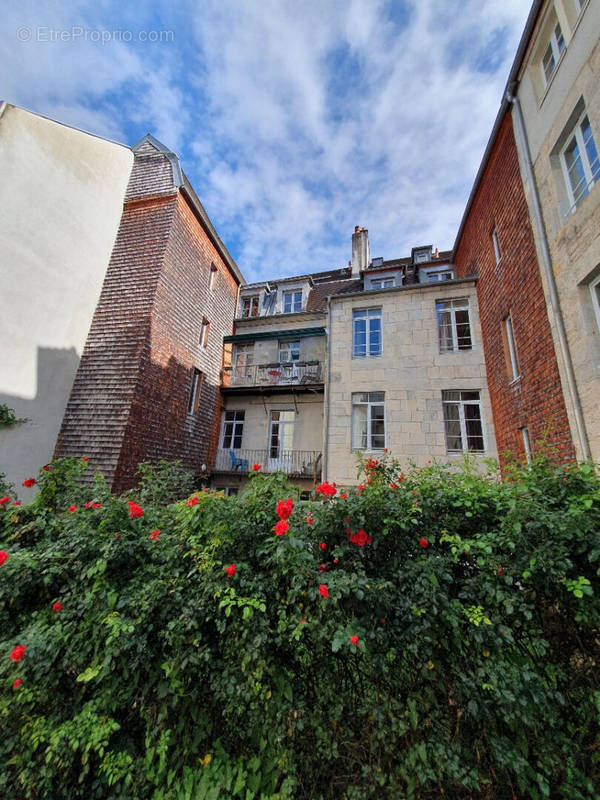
pixel 286 373
pixel 302 463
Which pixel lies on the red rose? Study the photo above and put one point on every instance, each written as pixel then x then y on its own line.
pixel 382 621
pixel 85 458
pixel 323 590
pixel 192 501
pixel 135 510
pixel 354 641
pixel 322 545
pixel 500 571
pixel 3 557
pixel 96 505
pixel 4 500
pixel 336 560
pixel 155 536
pixel 326 489
pixel 230 570
pixel 281 528
pixel 423 542
pixel 16 503
pixel 255 467
pixel 17 683
pixel 393 486
pixel 29 482
pixel 284 508
pixel 88 504
pixel 361 487
pixel 309 520
pixel 18 652
pixel 57 607
pixel 322 567
pixel 72 508
pixel 360 538
pixel 343 496
pixel 46 468
pixel 302 622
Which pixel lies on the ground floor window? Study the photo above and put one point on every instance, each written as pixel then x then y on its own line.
pixel 368 421
pixel 462 422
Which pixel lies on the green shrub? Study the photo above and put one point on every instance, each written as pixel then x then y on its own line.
pixel 434 634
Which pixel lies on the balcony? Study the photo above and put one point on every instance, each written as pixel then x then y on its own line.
pixel 296 463
pixel 278 375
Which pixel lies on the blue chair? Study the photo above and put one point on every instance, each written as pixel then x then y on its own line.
pixel 238 463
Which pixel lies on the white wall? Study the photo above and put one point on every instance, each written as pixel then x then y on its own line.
pixel 61 199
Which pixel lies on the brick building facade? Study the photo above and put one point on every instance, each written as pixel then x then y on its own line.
pixel 147 386
pixel 496 244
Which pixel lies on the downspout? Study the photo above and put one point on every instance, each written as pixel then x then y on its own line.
pixel 327 386
pixel 547 267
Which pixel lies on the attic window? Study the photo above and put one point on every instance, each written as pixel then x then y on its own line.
pixel 292 301
pixel 422 255
pixel 250 306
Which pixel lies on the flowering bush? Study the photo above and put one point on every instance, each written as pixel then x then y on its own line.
pixel 450 648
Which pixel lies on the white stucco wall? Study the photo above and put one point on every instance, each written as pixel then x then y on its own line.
pixel 61 199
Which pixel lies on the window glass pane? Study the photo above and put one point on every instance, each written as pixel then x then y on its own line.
pixel 359 427
pixel 575 170
pixel 445 330
pixel 452 426
pixel 590 147
pixel 360 337
pixel 375 336
pixel 463 330
pixel 376 397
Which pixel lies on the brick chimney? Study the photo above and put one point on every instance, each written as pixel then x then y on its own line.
pixel 360 250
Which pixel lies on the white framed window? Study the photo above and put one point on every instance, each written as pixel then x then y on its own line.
pixel 526 443
pixel 366 333
pixel 289 351
pixel 249 306
pixel 382 283
pixel 244 354
pixel 595 290
pixel 462 422
pixel 496 245
pixel 368 421
pixel 281 436
pixel 454 324
pixel 555 46
pixel 512 362
pixel 432 277
pixel 196 387
pixel 204 331
pixel 291 301
pixel 212 277
pixel 579 161
pixel 233 430
pixel 421 255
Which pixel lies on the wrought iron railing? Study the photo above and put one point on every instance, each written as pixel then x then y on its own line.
pixel 306 463
pixel 285 373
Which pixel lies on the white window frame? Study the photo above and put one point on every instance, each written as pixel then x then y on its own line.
pixel 212 278
pixel 461 403
pixel 382 283
pixel 497 253
pixel 373 400
pixel 289 351
pixel 556 45
pixel 292 294
pixel 366 315
pixel 512 350
pixel 249 298
pixel 237 428
pixel 526 443
pixel 591 169
pixel 595 292
pixel 204 331
pixel 422 255
pixel 455 304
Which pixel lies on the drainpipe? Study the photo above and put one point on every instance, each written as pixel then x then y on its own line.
pixel 326 410
pixel 548 271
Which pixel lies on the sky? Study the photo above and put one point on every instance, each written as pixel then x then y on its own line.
pixel 294 120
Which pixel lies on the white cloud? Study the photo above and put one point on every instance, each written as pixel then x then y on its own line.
pixel 295 121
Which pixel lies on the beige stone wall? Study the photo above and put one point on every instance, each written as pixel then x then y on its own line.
pixel 61 198
pixel 573 236
pixel 411 372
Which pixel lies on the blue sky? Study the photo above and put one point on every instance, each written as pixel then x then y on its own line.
pixel 295 120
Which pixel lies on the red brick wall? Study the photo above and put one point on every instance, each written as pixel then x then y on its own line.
pixel 513 287
pixel 159 425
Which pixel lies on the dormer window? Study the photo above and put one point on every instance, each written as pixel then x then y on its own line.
pixel 382 283
pixel 421 255
pixel 292 301
pixel 250 306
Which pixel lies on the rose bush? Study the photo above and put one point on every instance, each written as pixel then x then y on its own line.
pixel 444 642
